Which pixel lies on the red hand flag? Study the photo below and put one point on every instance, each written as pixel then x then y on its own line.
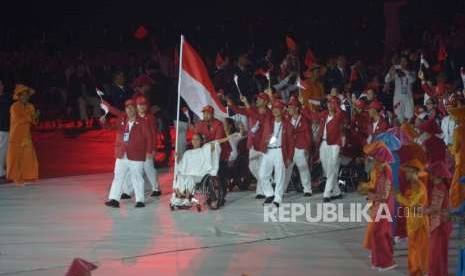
pixel 219 60
pixel 291 45
pixel 442 53
pixel 309 58
pixel 141 32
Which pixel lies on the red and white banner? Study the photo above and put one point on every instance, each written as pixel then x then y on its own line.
pixel 195 85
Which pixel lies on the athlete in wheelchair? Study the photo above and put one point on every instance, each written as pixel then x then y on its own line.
pixel 196 179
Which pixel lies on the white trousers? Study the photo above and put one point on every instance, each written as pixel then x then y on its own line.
pixel 329 156
pixel 273 160
pixel 136 170
pixel 255 160
pixel 149 172
pixel 301 161
pixel 3 149
pixel 403 107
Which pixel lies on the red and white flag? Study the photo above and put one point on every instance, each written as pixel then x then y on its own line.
pixel 195 85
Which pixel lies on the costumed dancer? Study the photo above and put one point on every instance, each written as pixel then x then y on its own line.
pixel 378 235
pixel 440 226
pixel 22 165
pixel 413 200
pixel 457 191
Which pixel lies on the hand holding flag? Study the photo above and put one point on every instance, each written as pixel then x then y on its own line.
pixel 103 106
pixel 423 62
pixel 236 81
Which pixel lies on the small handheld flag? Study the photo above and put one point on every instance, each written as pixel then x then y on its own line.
pixel 236 81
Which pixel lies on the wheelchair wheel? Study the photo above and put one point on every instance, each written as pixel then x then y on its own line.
pixel 211 190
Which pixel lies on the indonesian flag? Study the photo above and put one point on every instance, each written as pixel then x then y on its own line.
pixel 219 60
pixel 309 58
pixel 195 85
pixel 291 45
pixel 141 32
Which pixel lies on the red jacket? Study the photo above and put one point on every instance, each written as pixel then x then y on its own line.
pixel 253 139
pixel 334 128
pixel 214 131
pixel 151 123
pixel 302 133
pixel 380 128
pixel 140 140
pixel 287 139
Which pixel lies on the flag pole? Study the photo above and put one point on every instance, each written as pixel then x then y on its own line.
pixel 177 109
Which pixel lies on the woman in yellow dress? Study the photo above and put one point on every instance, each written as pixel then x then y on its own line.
pixel 413 200
pixel 457 191
pixel 22 165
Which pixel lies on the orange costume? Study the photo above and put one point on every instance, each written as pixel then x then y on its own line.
pixel 457 191
pixel 22 162
pixel 414 198
pixel 314 90
pixel 379 232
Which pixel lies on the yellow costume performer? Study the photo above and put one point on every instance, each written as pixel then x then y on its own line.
pixel 457 191
pixel 22 165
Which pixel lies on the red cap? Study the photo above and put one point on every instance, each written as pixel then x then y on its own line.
pixel 142 80
pixel 376 105
pixel 430 126
pixel 439 169
pixel 279 105
pixel 208 109
pixel 129 102
pixel 263 96
pixel 141 100
pixel 293 102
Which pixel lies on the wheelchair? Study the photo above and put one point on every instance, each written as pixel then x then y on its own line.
pixel 207 192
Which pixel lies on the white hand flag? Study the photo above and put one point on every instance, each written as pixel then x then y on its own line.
pixel 424 62
pixel 236 81
pixel 99 93
pixel 104 108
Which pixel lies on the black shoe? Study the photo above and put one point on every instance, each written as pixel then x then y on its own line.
pixel 337 197
pixel 155 193
pixel 326 199
pixel 112 203
pixel 269 200
pixel 276 204
pixel 140 205
pixel 307 194
pixel 260 197
pixel 125 196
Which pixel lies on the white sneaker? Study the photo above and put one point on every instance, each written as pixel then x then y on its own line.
pixel 387 268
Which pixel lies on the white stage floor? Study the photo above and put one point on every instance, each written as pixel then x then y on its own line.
pixel 45 225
